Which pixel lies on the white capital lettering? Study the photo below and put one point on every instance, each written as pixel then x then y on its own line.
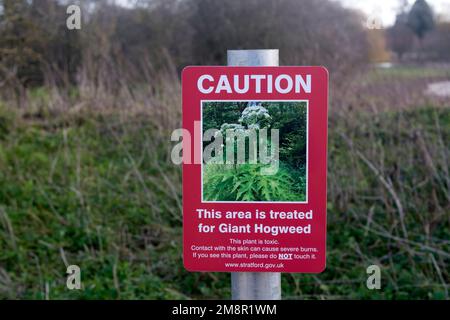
pixel 200 86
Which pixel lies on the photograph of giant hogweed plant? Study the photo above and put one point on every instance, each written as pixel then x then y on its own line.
pixel 278 170
pixel 86 116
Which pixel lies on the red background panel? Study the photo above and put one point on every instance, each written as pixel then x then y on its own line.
pixel 317 156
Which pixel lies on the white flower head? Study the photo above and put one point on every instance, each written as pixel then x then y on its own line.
pixel 255 114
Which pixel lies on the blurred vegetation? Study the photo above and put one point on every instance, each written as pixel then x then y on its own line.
pixel 37 48
pixel 98 190
pixel 85 170
pixel 419 34
pixel 409 72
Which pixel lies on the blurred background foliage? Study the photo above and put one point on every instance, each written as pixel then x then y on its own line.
pixel 85 120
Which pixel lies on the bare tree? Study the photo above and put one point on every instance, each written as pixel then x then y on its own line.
pixel 305 31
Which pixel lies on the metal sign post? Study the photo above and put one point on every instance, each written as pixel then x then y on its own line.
pixel 255 285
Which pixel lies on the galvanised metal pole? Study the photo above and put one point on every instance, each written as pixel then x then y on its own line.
pixel 255 285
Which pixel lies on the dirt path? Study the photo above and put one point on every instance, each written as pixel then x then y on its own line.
pixel 441 89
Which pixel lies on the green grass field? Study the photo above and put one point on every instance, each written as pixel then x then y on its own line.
pixel 409 72
pixel 99 191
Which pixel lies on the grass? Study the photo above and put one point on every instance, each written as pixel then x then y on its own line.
pixel 389 186
pixel 99 191
pixel 409 72
pixel 84 191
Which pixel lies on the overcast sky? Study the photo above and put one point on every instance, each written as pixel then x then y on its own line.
pixel 386 10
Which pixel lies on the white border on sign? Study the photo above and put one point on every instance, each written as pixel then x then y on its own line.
pixel 307 150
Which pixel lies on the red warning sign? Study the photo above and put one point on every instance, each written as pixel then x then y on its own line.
pixel 254 150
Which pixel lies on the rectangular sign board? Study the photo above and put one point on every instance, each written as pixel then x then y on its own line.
pixel 254 156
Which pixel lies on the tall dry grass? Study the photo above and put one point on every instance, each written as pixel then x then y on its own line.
pixel 388 185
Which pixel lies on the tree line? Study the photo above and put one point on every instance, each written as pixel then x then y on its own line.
pixel 36 46
pixel 418 34
pixel 35 42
